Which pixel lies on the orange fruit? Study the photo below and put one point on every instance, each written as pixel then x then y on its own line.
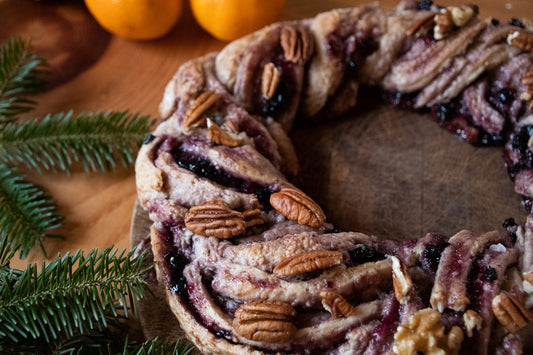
pixel 137 19
pixel 230 19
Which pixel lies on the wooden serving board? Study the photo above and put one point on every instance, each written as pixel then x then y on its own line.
pixel 391 173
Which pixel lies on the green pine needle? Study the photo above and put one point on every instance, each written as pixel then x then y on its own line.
pixel 59 140
pixel 26 213
pixel 71 295
pixel 157 347
pixel 20 74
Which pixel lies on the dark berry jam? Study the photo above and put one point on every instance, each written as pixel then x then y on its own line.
pixel 511 227
pixel 491 274
pixel 177 262
pixel 520 141
pixel 509 222
pixel 285 91
pixel 431 257
pixel 502 100
pixel 424 5
pixel 351 51
pixel 495 22
pixel 516 22
pixel 364 254
pixel 263 196
pixel 399 99
pixel 202 167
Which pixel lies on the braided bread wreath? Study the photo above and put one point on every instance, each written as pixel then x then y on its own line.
pixel 247 260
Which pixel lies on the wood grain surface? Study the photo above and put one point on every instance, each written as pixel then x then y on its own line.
pixel 390 173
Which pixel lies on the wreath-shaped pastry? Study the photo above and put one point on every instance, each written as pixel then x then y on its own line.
pixel 249 262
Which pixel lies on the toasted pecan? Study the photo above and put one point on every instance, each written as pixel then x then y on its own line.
pixel 422 25
pixel 297 206
pixel 511 312
pixel 252 218
pixel 401 280
pixel 521 39
pixel 197 113
pixel 270 80
pixel 214 219
pixel 296 43
pixel 472 320
pixel 268 321
pixel 336 304
pixel 307 262
pixel 217 135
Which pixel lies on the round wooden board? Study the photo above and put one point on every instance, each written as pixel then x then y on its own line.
pixel 391 173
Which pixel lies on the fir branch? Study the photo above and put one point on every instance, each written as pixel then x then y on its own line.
pixel 59 140
pixel 71 295
pixel 157 347
pixel 26 213
pixel 20 74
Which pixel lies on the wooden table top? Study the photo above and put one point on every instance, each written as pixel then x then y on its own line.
pixel 95 71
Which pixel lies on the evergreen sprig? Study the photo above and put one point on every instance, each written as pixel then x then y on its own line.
pixel 59 140
pixel 27 213
pixel 20 74
pixel 75 304
pixel 70 295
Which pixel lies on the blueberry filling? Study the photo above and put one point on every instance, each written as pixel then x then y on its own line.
pixel 456 118
pixel 263 196
pixel 351 50
pixel 495 22
pixel 511 227
pixel 491 274
pixel 516 22
pixel 364 254
pixel 279 102
pixel 520 141
pixel 424 5
pixel 509 222
pixel 502 100
pixel 399 99
pixel 431 257
pixel 202 167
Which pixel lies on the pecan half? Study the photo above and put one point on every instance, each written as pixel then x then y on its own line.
pixel 423 25
pixel 443 24
pixel 451 17
pixel 252 218
pixel 473 320
pixel 511 312
pixel 527 79
pixel 528 277
pixel 232 126
pixel 296 43
pixel 270 80
pixel 461 15
pixel 297 206
pixel 307 262
pixel 521 39
pixel 527 96
pixel 336 304
pixel 218 136
pixel 214 219
pixel 196 114
pixel 267 321
pixel 401 280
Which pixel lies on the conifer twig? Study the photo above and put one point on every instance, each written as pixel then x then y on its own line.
pixel 59 140
pixel 70 295
pixel 20 74
pixel 27 214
